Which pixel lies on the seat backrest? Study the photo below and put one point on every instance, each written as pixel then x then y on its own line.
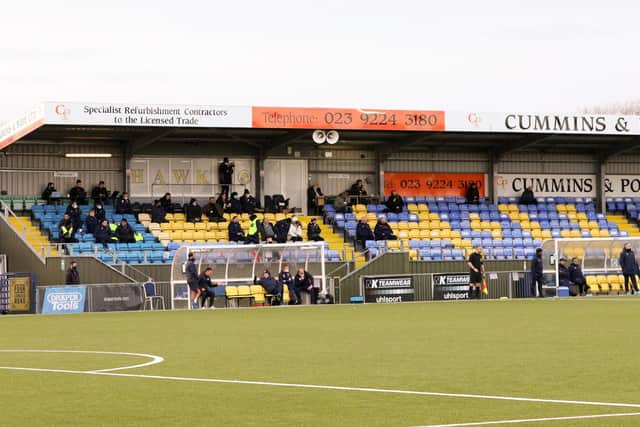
pixel 149 289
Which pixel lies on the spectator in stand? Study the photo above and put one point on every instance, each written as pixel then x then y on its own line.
pixel 363 232
pixel 267 231
pixel 357 189
pixel 285 278
pixel 253 235
pixel 577 277
pixel 295 230
pixel 77 193
pixel 100 212
pixel 383 230
pixel 167 203
pixel 123 205
pixel 67 229
pixel 192 279
pixel 213 211
pixel 340 202
pixel 46 194
pixel 271 286
pixel 249 203
pixel 100 193
pixel 235 206
pixel 476 273
pixel 473 194
pixel 235 230
pixel 303 282
pixel 102 233
pixel 629 266
pixel 527 197
pixel 313 231
pixel 207 288
pixel 282 230
pixel 91 222
pixel 124 232
pixel 193 211
pixel 74 213
pixel 394 203
pixel 72 277
pixel 225 175
pixel 536 274
pixel 313 192
pixel 158 214
pixel 223 202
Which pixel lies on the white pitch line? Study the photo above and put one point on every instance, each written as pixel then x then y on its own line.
pixel 331 387
pixel 154 359
pixel 535 420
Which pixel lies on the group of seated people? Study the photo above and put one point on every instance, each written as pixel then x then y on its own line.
pixel 381 231
pixel 284 230
pixel 77 193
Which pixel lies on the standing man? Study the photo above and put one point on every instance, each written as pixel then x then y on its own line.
pixel 225 174
pixel 312 198
pixel 73 277
pixel 536 274
pixel 192 280
pixel 476 273
pixel 207 288
pixel 304 282
pixel 629 266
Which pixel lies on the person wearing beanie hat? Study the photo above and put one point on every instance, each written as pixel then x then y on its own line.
pixel 193 211
pixel 313 231
pixel 295 230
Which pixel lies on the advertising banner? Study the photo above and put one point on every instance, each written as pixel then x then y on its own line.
pixel 66 299
pixel 124 297
pixel 432 184
pixel 107 114
pixel 347 118
pixel 549 185
pixel 451 286
pixel 20 290
pixel 384 289
pixel 558 123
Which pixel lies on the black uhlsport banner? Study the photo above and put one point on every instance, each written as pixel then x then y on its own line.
pixel 116 297
pixel 451 286
pixel 388 289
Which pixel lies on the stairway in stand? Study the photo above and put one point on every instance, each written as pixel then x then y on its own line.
pixel 31 233
pixel 624 224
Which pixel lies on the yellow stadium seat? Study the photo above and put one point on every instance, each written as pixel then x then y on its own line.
pixel 571 207
pixel 165 226
pixel 177 225
pixel 535 225
pixel 434 217
pixel 465 243
pixel 435 234
pixel 176 236
pixel 423 217
pixel 581 216
pixel 200 236
pixel 583 224
pixel 546 234
pixel 496 234
pixel 474 216
pixel 425 234
pixel 412 207
pixel 372 217
pixel 561 208
pixel 457 243
pixel 593 224
pixel 536 234
pixel 503 208
pixel 595 232
pixel 434 224
pixel 523 216
pixel 592 282
pixel 424 225
pixel 525 224
pixel 571 216
pixel 413 226
pixel 604 233
pixel 210 236
pixel 258 294
pixel 565 233
pixel 575 233
pixel 414 234
pixel 495 225
pixel 187 236
pixel 512 208
pixel 514 216
pixel 179 216
pixel 169 217
pixel 403 225
pixel 413 254
pixel 445 233
pixel 445 225
pixel 201 226
pixel 393 244
pixel 423 208
pixel 188 226
pixel 455 235
pixel 475 224
pixel 403 234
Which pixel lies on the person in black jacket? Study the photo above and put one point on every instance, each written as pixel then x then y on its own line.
pixel 363 232
pixel 193 211
pixel 267 231
pixel 394 203
pixel 124 232
pixel 72 277
pixel 77 193
pixel 312 199
pixel 102 233
pixel 235 230
pixel 357 189
pixel 123 205
pixel 282 230
pixel 46 194
pixel 67 229
pixel 285 278
pixel 473 194
pixel 313 231
pixel 536 274
pixel 91 222
pixel 225 174
pixel 563 273
pixel 249 203
pixel 577 277
pixel 629 266
pixel 158 214
pixel 271 286
pixel 235 206
pixel 207 288
pixel 192 279
pixel 383 231
pixel 303 282
pixel 213 211
pixel 74 213
pixel 527 197
pixel 100 212
pixel 100 193
pixel 167 203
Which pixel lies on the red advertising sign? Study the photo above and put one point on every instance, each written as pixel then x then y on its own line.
pixel 433 184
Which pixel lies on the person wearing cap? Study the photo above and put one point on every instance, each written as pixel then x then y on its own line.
pixel 313 231
pixel 100 193
pixel 253 235
pixel 536 274
pixel 249 203
pixel 271 286
pixel 193 211
pixel 225 175
pixel 382 230
pixel 295 230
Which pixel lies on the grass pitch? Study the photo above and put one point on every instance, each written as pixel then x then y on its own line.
pixel 578 349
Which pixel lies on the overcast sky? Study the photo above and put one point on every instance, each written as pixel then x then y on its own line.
pixel 486 55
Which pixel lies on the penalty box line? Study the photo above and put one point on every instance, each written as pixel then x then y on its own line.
pixel 536 420
pixel 329 387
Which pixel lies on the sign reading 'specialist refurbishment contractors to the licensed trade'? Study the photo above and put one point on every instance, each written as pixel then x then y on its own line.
pixel 105 114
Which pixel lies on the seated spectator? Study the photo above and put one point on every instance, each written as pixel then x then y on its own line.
pixel 235 230
pixel 124 232
pixel 158 214
pixel 563 273
pixel 340 202
pixel 77 193
pixel 123 205
pixel 213 211
pixel 285 277
pixel 167 203
pixel 102 233
pixel 207 288
pixel 473 194
pixel 46 194
pixel 303 282
pixel 313 231
pixel 100 193
pixel 271 286
pixel 100 212
pixel 193 211
pixel 235 206
pixel 282 230
pixel 577 277
pixel 394 203
pixel 223 202
pixel 363 232
pixel 249 203
pixel 91 222
pixel 295 230
pixel 357 189
pixel 383 230
pixel 267 231
pixel 74 213
pixel 253 235
pixel 527 197
pixel 66 229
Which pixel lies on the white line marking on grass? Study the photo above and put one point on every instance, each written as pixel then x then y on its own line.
pixel 154 359
pixel 330 387
pixel 535 420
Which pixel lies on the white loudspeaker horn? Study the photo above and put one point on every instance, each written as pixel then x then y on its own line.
pixel 319 136
pixel 332 137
